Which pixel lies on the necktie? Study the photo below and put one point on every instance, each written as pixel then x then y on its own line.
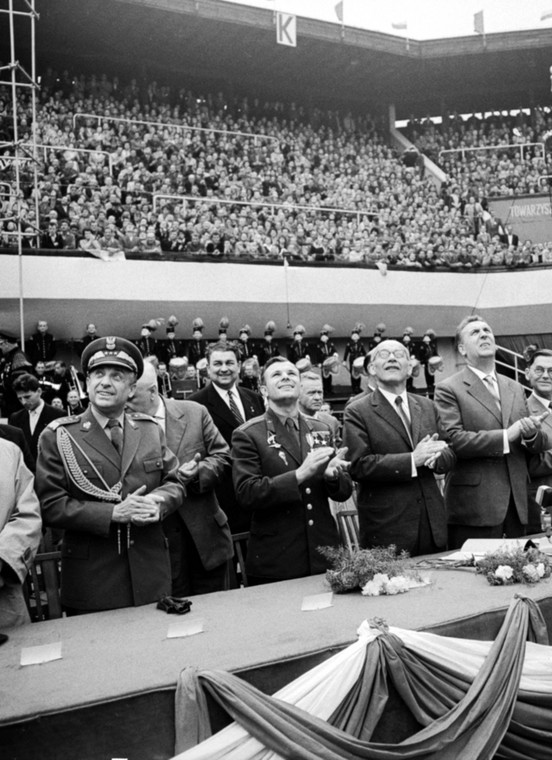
pixel 292 429
pixel 404 417
pixel 490 382
pixel 234 408
pixel 116 435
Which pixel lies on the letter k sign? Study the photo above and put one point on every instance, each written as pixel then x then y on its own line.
pixel 286 29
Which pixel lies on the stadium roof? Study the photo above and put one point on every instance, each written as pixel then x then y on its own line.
pixel 214 45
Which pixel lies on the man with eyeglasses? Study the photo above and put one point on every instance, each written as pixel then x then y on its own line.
pixel 396 449
pixel 492 433
pixel 539 376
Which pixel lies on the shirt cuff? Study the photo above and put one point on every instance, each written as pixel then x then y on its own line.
pixel 413 470
pixel 506 442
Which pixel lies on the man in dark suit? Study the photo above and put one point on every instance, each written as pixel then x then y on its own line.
pixel 107 479
pixel 35 415
pixel 41 346
pixel 487 421
pixel 15 435
pixel 394 444
pixel 200 542
pixel 284 472
pixel 224 370
pixel 538 372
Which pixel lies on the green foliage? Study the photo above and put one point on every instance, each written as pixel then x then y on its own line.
pixel 352 569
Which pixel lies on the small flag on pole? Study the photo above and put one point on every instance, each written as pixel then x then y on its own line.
pixel 339 11
pixel 478 23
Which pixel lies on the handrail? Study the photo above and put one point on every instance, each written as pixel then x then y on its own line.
pixel 493 147
pixel 517 369
pixel 101 118
pixel 211 200
pixel 75 150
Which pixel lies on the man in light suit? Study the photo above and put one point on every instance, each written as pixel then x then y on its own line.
pixel 395 446
pixel 15 435
pixel 20 532
pixel 200 542
pixel 35 415
pixel 489 427
pixel 539 376
pixel 284 472
pixel 311 399
pixel 107 479
pixel 224 371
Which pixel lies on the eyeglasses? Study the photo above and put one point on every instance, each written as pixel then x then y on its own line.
pixel 542 371
pixel 398 353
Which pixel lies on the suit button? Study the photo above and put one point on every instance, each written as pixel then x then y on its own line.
pixel 308 491
pixel 309 506
pixel 310 522
pixel 158 463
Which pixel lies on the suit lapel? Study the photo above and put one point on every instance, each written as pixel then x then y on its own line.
pixel 415 417
pixel 506 399
pixel 477 390
pixel 248 407
pixel 174 432
pixel 384 409
pixel 221 407
pixel 130 445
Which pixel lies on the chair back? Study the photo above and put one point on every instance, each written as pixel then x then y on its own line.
pixel 238 576
pixel 347 523
pixel 42 585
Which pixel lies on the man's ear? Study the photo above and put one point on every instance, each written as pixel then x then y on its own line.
pixel 371 370
pixel 461 349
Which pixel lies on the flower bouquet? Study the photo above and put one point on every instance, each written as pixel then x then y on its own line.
pixel 514 565
pixel 375 571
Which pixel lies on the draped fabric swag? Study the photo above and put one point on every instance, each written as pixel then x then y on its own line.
pixel 473 699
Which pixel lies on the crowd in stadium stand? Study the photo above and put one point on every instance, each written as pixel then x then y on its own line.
pixel 97 190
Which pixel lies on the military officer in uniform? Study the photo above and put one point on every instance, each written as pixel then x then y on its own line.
pixel 325 349
pixel 107 479
pixel 298 348
pixel 354 350
pixel 198 345
pixel 245 347
pixel 269 348
pixel 147 344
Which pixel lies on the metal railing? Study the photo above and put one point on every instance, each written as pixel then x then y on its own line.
pixel 517 146
pixel 263 203
pixel 517 359
pixel 256 136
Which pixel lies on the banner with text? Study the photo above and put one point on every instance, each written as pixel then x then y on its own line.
pixel 530 216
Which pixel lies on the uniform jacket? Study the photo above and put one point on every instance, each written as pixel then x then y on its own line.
pixel 20 420
pixel 190 430
pixel 478 490
pixel 389 498
pixel 226 424
pixel 288 521
pixel 107 565
pixel 540 465
pixel 20 532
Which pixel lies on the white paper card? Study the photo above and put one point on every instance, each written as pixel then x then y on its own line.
pixel 40 654
pixel 179 628
pixel 317 601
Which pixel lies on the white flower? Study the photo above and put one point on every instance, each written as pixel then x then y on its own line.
pixel 540 569
pixel 376 586
pixel 504 572
pixel 531 573
pixel 397 585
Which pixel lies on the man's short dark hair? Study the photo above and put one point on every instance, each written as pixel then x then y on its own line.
pixel 25 383
pixel 462 325
pixel 535 355
pixel 222 345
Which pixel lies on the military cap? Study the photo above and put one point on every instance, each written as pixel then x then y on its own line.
pixel 112 352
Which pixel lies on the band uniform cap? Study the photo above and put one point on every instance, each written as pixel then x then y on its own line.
pixel 178 361
pixel 435 364
pixel 304 364
pixel 359 367
pixel 112 352
pixel 330 366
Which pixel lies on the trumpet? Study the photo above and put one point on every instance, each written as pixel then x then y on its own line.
pixel 166 385
pixel 75 384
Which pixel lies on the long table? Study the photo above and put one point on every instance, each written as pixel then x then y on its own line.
pixel 111 695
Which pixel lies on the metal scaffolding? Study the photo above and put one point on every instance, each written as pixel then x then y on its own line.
pixel 18 151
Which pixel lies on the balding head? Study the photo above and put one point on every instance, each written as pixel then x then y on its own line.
pixel 146 395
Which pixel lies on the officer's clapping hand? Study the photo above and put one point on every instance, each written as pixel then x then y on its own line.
pixel 137 508
pixel 314 463
pixel 428 450
pixel 337 464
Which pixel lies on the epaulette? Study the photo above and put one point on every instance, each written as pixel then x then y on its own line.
pixel 54 424
pixel 141 416
pixel 251 422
